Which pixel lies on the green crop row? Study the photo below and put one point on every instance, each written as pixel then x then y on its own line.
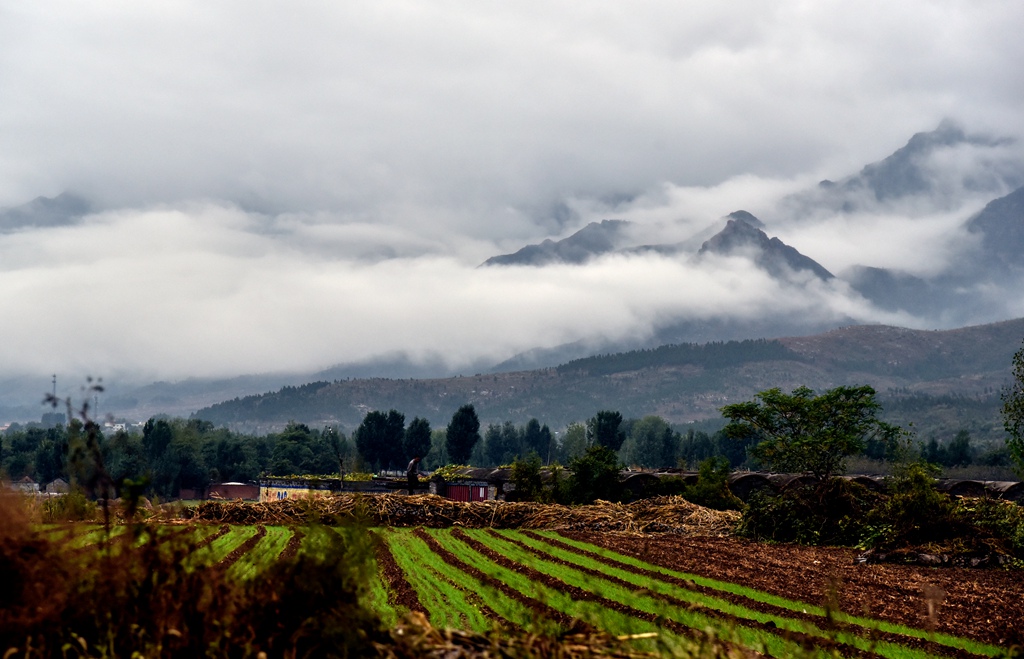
pixel 625 596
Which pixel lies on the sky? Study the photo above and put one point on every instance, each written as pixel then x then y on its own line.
pixel 285 188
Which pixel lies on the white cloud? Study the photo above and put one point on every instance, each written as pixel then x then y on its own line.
pixel 293 187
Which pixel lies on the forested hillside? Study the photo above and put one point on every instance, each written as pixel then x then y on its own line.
pixel 937 380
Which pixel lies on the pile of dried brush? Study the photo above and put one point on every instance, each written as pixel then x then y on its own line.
pixel 657 515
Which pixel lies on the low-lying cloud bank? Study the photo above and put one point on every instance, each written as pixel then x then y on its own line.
pixel 211 290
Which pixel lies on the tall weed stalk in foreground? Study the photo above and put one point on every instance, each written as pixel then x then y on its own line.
pixel 131 595
pixel 134 594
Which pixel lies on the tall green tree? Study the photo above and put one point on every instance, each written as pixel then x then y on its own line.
pixel 801 432
pixel 574 442
pixel 958 453
pixel 1013 413
pixel 379 439
pixel 604 429
pixel 293 451
pixel 537 438
pixel 463 434
pixel 502 443
pixel 651 443
pixel 595 475
pixel 417 439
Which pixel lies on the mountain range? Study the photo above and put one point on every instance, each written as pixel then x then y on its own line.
pixel 935 382
pixel 932 173
pixel 927 175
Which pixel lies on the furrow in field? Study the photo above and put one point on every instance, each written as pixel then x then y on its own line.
pixel 442 593
pixel 574 592
pixel 213 552
pixel 540 608
pixel 292 548
pixel 777 612
pixel 210 539
pixel 629 592
pixel 400 593
pixel 243 548
pixel 651 555
pixel 262 554
pixel 983 605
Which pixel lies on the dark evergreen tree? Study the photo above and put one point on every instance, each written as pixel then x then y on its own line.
pixel 695 448
pixel 502 443
pixel 463 433
pixel 958 453
pixel 379 439
pixel 293 451
pixel 417 439
pixel 595 475
pixel 604 430
pixel 537 438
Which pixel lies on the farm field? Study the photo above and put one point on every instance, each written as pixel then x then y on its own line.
pixel 565 580
pixel 664 590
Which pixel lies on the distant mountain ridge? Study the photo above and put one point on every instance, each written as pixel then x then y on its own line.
pixel 593 240
pixel 909 172
pixel 932 170
pixel 941 380
pixel 43 212
pixel 770 254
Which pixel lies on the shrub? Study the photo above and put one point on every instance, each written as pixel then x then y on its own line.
pixel 595 475
pixel 1002 520
pixel 70 507
pixel 914 513
pixel 525 478
pixel 712 487
pixel 829 514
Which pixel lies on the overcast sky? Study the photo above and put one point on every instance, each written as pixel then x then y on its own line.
pixel 287 187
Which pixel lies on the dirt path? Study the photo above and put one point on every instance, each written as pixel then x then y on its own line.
pixel 984 604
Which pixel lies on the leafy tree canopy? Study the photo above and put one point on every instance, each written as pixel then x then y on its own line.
pixel 801 432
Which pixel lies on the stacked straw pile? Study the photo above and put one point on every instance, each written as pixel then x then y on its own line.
pixel 657 515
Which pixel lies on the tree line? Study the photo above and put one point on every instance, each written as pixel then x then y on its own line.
pixel 171 455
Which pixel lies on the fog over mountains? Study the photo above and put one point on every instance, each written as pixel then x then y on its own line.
pixel 929 237
pixel 951 266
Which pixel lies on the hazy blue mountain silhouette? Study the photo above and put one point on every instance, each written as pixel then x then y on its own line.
pixel 41 212
pixel 740 236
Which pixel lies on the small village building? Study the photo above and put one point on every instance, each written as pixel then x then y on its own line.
pixel 57 486
pixel 233 491
pixel 272 488
pixel 24 484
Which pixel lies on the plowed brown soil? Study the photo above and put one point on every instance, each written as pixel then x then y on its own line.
pixel 987 605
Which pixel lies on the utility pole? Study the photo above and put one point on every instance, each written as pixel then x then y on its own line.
pixel 55 387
